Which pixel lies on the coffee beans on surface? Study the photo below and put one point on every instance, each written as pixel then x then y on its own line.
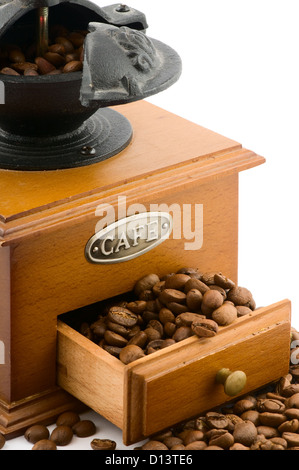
pixel 164 311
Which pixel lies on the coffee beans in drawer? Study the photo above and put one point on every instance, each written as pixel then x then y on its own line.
pixel 162 311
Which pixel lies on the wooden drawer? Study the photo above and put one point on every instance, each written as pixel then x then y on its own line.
pixel 178 382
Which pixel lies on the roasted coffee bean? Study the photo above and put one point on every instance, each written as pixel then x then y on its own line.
pixel 84 428
pixel 245 433
pixel 103 444
pixel 205 328
pixel 62 435
pixel 172 295
pixel 140 339
pixel 187 318
pixel 115 339
pixel 197 284
pixel 154 445
pixel 152 334
pixel 68 418
pixel 241 296
pixel 21 67
pixel 146 283
pixel 169 329
pixel 72 66
pixel 15 55
pixel 137 307
pixel 113 350
pixel 177 308
pixel 193 435
pixel 9 71
pixel 223 281
pixel 68 46
pixel 36 433
pixel 183 332
pixel 212 299
pixel 166 315
pixel 122 316
pixel 216 420
pixel 194 300
pixel 176 281
pixel 225 314
pixel 44 444
pixel 242 310
pixel 57 49
pixel 119 329
pixel 225 440
pixel 219 289
pixel 131 353
pixel 243 405
pixel 272 419
pixel 157 326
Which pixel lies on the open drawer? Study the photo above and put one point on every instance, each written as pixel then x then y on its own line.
pixel 178 382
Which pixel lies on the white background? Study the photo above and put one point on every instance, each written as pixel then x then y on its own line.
pixel 240 79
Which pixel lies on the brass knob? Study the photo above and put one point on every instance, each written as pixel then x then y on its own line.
pixel 233 382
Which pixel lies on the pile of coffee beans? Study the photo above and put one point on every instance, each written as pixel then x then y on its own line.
pixel 267 420
pixel 64 55
pixel 68 424
pixel 168 310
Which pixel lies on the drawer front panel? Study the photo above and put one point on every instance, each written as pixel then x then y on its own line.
pixel 181 384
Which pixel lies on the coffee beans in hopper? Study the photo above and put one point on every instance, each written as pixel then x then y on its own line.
pixel 64 55
pixel 164 311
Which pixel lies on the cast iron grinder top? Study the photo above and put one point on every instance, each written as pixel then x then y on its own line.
pixel 51 122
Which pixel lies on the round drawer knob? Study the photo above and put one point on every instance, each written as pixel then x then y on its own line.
pixel 233 382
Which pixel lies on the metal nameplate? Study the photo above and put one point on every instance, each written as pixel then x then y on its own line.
pixel 129 238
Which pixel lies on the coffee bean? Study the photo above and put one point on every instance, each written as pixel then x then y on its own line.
pixel 225 314
pixel 205 328
pixel 183 332
pixel 122 316
pixel 140 339
pixel 241 296
pixel 212 299
pixel 172 295
pixel 9 71
pixel 169 329
pixel 68 46
pixel 187 318
pixel 137 307
pixel 245 433
pixel 36 433
pixel 154 445
pixel 103 444
pixel 114 339
pixel 131 353
pixel 291 438
pixel 194 283
pixel 223 281
pixel 225 441
pixel 176 281
pixel 272 419
pixel 177 308
pixel 113 350
pixel 84 428
pixel 166 315
pixel 68 418
pixel 44 444
pixel 146 283
pixel 194 300
pixel 62 435
pixel 72 66
pixel 242 310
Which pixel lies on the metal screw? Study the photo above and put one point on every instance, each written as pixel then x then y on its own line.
pixel 123 8
pixel 87 150
pixel 165 225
